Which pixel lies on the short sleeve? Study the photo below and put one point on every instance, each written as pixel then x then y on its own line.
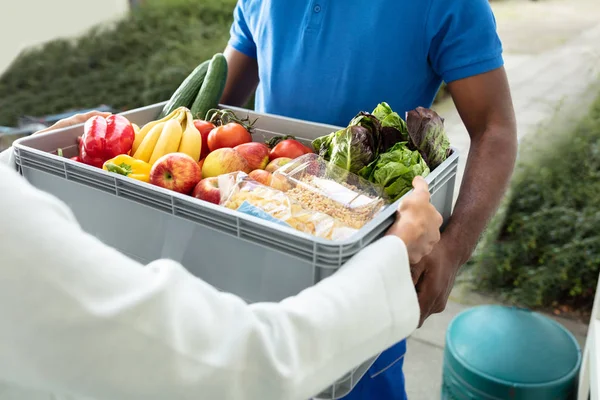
pixel 240 35
pixel 462 39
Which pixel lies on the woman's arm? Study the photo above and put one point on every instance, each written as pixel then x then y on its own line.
pixel 7 157
pixel 80 318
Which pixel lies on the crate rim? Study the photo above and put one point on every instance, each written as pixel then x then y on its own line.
pixel 336 245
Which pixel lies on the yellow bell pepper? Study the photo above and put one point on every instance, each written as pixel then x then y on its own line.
pixel 126 165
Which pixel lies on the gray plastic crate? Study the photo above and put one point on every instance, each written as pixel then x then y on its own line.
pixel 238 253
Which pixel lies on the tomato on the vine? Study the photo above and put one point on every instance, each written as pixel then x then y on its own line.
pixel 204 127
pixel 289 148
pixel 228 135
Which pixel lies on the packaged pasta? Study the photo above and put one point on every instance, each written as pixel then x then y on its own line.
pixel 324 187
pixel 243 194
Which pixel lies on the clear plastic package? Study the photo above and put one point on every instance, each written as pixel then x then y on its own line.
pixel 240 192
pixel 322 186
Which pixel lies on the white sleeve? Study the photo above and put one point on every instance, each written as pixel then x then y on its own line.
pixel 80 318
pixel 7 157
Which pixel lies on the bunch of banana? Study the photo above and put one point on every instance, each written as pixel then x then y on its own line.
pixel 174 133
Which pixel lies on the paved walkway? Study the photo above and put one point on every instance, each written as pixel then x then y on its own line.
pixel 540 85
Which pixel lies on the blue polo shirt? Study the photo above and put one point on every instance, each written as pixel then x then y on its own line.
pixel 326 60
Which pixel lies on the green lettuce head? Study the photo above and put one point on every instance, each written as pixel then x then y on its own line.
pixel 396 169
pixel 353 147
pixel 393 128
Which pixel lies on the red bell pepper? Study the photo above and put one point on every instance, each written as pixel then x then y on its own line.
pixel 105 138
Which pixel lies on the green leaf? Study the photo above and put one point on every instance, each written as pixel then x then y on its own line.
pixel 395 170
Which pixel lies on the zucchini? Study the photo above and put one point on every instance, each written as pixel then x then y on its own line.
pixel 186 93
pixel 212 88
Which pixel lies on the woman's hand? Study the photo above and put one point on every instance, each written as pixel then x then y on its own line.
pixel 418 222
pixel 74 120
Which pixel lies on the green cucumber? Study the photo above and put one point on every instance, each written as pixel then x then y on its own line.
pixel 186 93
pixel 212 88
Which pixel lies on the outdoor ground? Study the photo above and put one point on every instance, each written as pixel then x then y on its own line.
pixel 552 54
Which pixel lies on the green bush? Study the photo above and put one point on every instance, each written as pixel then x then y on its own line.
pixel 547 248
pixel 135 62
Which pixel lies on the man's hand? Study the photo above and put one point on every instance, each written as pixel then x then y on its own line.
pixel 417 222
pixel 433 277
pixel 74 120
pixel 485 106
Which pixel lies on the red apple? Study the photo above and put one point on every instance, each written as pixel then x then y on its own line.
pixel 276 163
pixel 208 190
pixel 261 176
pixel 201 163
pixel 257 154
pixel 224 161
pixel 176 171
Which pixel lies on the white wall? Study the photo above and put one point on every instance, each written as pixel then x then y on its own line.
pixel 29 22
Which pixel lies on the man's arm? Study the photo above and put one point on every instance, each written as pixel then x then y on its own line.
pixel 485 106
pixel 242 78
pixel 80 318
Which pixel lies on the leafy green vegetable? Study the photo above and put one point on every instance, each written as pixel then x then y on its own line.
pixel 353 147
pixel 393 127
pixel 395 170
pixel 426 131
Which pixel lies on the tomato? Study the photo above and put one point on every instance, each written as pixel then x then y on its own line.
pixel 228 135
pixel 204 127
pixel 289 148
pixel 309 149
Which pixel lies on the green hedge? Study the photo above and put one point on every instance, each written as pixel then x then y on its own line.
pixel 135 62
pixel 546 251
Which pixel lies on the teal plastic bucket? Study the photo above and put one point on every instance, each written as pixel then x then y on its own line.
pixel 497 353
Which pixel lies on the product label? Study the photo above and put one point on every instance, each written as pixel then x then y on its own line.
pixel 251 209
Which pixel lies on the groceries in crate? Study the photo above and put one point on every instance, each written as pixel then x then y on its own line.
pixel 201 90
pixel 223 161
pixel 303 207
pixel 273 205
pixel 323 186
pixel 171 134
pixel 270 179
pixel 204 127
pixel 126 165
pixel 287 147
pixel 426 132
pixel 395 170
pixel 276 163
pixel 105 138
pixel 229 130
pixel 176 171
pixel 255 153
pixel 357 171
pixel 386 150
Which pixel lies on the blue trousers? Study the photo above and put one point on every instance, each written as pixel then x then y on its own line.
pixel 385 379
